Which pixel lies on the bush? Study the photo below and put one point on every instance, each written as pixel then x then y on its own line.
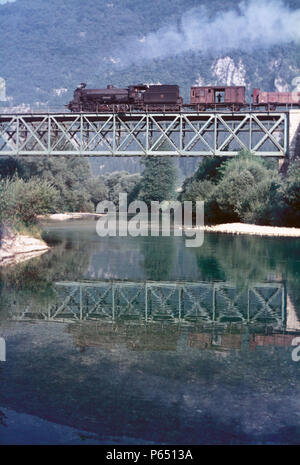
pixel 69 175
pixel 21 201
pixel 248 191
pixel 291 194
pixel 244 188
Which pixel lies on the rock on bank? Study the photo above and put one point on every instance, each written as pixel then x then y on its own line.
pixel 15 248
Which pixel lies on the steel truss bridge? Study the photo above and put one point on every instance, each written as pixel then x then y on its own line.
pixel 151 302
pixel 183 134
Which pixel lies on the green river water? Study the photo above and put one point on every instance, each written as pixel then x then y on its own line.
pixel 124 340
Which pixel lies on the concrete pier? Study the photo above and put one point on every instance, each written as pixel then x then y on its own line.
pixel 294 133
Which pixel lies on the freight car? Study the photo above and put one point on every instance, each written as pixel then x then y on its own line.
pixel 203 98
pixel 271 100
pixel 135 97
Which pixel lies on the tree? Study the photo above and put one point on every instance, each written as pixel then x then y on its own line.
pixel 158 179
pixel 244 188
pixel 248 191
pixel 69 175
pixel 21 201
pixel 121 182
pixel 291 194
pixel 97 190
pixel 201 184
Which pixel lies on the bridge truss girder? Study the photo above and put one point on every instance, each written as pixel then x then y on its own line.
pixel 144 134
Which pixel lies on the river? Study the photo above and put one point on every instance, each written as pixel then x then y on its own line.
pixel 124 340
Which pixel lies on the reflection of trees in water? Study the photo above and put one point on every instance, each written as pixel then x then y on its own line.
pixel 209 267
pixel 242 259
pixel 245 259
pixel 30 284
pixel 158 255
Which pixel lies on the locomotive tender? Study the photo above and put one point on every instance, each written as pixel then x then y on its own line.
pixel 167 97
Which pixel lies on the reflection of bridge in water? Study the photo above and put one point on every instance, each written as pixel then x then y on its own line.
pixel 150 302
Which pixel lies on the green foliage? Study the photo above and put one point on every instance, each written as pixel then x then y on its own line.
pixel 97 190
pixel 158 179
pixel 8 166
pixel 119 182
pixel 291 194
pixel 195 190
pixel 77 189
pixel 21 201
pixel 69 175
pixel 201 185
pixel 209 169
pixel 246 189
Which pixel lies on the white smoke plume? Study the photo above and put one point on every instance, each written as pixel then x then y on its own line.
pixel 254 24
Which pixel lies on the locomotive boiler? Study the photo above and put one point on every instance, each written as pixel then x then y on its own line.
pixel 134 97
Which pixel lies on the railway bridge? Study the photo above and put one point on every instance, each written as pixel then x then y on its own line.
pixel 181 134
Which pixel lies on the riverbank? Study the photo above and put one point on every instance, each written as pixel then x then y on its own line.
pixel 226 228
pixel 252 230
pixel 16 248
pixel 69 216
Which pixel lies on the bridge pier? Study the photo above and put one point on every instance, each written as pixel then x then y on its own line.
pixel 281 164
pixel 294 134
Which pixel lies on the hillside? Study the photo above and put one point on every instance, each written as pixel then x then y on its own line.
pixel 50 47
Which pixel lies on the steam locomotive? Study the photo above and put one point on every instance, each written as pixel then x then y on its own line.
pixel 138 97
pixel 167 98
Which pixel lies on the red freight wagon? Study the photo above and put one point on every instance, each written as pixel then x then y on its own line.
pixel 282 340
pixel 218 97
pixel 270 100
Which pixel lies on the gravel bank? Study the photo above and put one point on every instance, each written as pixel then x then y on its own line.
pixel 253 230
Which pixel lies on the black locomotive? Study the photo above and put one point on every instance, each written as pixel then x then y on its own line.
pixel 138 97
